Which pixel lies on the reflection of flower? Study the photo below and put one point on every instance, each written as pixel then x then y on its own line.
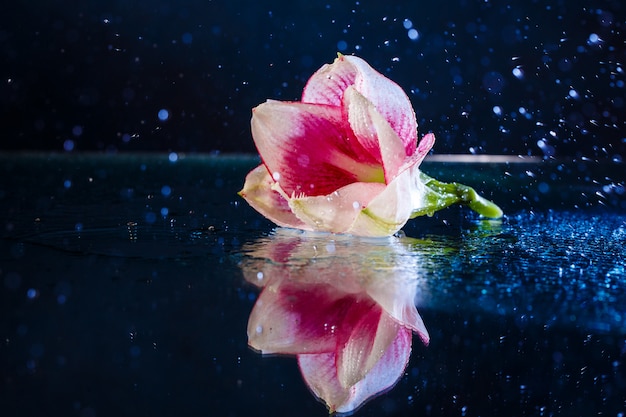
pixel 346 308
pixel 345 159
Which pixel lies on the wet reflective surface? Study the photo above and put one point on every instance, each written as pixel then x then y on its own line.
pixel 123 292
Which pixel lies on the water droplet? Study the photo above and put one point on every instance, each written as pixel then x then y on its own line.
pixel 163 115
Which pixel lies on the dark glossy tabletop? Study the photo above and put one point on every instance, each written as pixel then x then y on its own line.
pixel 123 291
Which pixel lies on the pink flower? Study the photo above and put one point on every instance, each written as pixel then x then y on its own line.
pixel 345 308
pixel 344 159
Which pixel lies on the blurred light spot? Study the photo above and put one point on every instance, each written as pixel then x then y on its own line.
pixel 32 293
pixel 546 148
pixel 165 211
pixel 342 45
pixel 497 110
pixel 166 190
pixel 77 130
pixel 407 24
pixel 573 94
pixel 518 73
pixel 594 39
pixel 150 217
pixel 413 34
pixel 163 115
pixel 187 38
pixel 173 157
pixel 67 183
pixel 68 145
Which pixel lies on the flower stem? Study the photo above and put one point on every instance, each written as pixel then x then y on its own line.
pixel 439 195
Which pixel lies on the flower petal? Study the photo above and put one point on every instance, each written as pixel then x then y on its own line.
pixel 305 148
pixel 294 317
pixel 374 133
pixel 336 212
pixel 257 191
pixel 363 209
pixel 369 339
pixel 320 374
pixel 328 84
pixel 397 299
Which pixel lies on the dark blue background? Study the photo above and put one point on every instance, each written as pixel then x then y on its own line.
pixel 93 75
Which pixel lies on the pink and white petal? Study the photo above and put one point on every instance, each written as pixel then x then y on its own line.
pixel 319 372
pixel 337 211
pixel 320 375
pixel 293 317
pixel 389 99
pixel 366 344
pixel 384 375
pixel 374 133
pixel 257 191
pixel 305 149
pixel 397 298
pixel 423 148
pixel 385 214
pixel 327 84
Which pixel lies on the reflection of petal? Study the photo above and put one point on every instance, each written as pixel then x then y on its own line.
pixel 320 374
pixel 399 302
pixel 368 340
pixel 296 318
pixel 344 306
